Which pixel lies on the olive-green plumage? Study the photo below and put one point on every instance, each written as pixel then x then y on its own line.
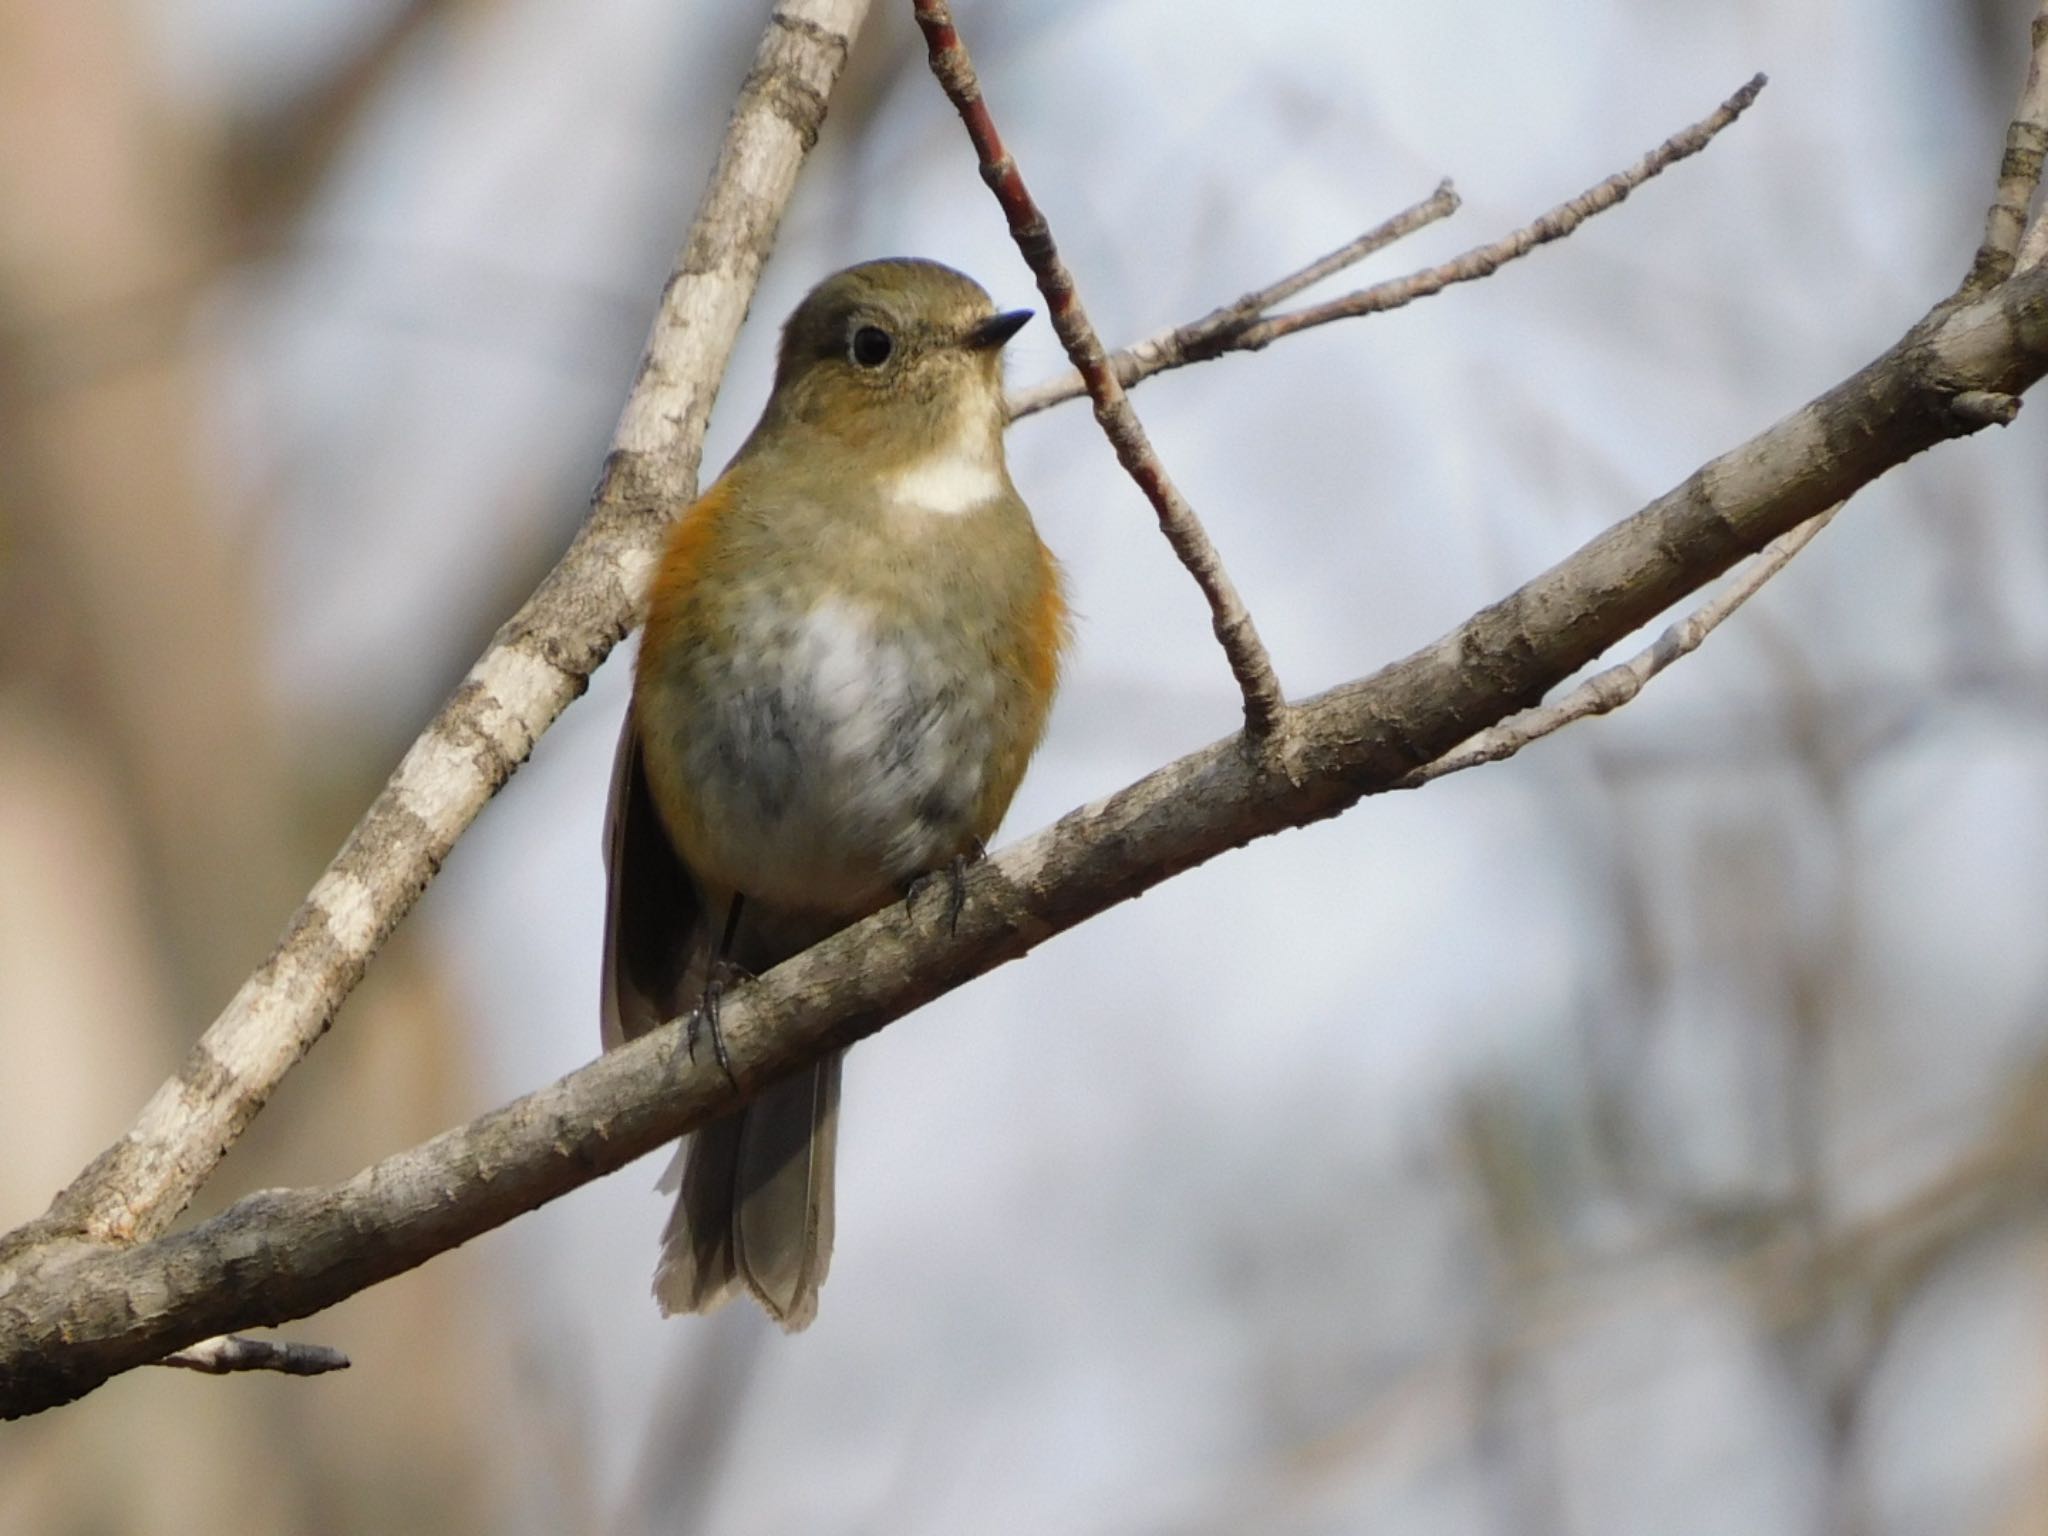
pixel 852 643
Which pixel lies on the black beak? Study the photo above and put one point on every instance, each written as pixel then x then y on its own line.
pixel 985 335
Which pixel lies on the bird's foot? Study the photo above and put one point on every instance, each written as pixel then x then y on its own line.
pixel 724 975
pixel 954 873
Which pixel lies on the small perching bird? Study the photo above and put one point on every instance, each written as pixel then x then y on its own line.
pixel 852 643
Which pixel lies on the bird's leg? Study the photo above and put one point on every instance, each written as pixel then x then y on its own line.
pixel 955 872
pixel 721 974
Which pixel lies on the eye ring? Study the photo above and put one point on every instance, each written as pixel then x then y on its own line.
pixel 871 346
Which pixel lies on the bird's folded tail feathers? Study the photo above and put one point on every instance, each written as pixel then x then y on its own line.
pixel 754 1204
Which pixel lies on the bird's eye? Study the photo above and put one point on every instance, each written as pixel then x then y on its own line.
pixel 872 346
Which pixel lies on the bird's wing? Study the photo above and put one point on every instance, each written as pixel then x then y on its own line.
pixel 652 915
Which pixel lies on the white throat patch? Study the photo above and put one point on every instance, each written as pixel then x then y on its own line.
pixel 959 474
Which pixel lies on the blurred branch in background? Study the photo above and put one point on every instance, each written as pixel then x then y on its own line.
pixel 276 157
pixel 153 834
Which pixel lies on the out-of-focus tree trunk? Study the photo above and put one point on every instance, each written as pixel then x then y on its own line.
pixel 150 846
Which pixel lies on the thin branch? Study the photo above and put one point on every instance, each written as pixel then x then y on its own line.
pixel 1612 687
pixel 1265 706
pixel 1235 330
pixel 537 663
pixel 1211 335
pixel 85 1313
pixel 1440 204
pixel 229 1353
pixel 2019 170
pixel 1485 260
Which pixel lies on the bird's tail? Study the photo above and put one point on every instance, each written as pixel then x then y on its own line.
pixel 754 1203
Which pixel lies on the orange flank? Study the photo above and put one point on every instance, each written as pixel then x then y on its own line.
pixel 682 563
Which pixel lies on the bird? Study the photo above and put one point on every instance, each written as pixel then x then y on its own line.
pixel 852 643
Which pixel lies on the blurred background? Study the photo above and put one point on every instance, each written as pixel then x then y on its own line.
pixel 1646 1135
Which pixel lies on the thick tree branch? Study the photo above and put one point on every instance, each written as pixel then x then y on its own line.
pixel 90 1313
pixel 537 663
pixel 1265 705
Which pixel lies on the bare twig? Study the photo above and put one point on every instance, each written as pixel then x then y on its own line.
pixel 2019 170
pixel 283 1253
pixel 1440 204
pixel 1210 336
pixel 230 1352
pixel 537 663
pixel 1239 329
pixel 1485 260
pixel 1614 686
pixel 1265 706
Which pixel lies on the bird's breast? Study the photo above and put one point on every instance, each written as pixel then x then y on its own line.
pixel 821 754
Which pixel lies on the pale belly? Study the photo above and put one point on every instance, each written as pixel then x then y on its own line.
pixel 827 761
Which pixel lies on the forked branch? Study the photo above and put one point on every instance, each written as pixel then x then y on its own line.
pixel 1611 687
pixel 1249 324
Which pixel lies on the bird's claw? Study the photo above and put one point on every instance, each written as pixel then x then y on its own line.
pixel 705 1020
pixel 954 872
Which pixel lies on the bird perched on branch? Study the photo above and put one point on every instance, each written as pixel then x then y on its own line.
pixel 852 643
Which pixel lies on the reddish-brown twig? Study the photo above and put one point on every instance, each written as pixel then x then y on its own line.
pixel 1264 704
